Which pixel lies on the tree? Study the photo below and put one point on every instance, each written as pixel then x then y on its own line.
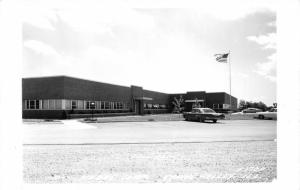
pixel 178 104
pixel 242 104
pixel 246 104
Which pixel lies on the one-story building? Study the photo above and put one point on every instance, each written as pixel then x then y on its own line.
pixel 61 97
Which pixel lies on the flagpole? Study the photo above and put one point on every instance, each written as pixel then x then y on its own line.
pixel 229 56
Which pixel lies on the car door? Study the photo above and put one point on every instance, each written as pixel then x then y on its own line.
pixel 195 114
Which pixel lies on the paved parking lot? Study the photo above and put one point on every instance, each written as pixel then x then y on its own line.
pixel 170 151
pixel 73 132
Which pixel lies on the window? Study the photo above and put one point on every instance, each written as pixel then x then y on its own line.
pixel 51 104
pixel 102 105
pixel 74 104
pixel 106 105
pixel 67 104
pixel 26 104
pixel 207 110
pixel 87 105
pixel 45 104
pixel 98 105
pixel 90 105
pixel 80 104
pixel 58 104
pixel 32 104
pixel 162 106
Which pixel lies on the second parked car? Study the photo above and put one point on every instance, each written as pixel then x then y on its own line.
pixel 251 110
pixel 272 114
pixel 202 114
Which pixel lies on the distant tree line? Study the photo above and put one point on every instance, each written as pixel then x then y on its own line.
pixel 260 105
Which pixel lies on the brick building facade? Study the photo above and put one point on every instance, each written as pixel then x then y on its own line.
pixel 63 97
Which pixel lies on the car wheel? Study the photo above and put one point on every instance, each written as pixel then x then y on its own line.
pixel 214 120
pixel 261 117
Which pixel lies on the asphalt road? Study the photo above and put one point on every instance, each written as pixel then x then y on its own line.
pixel 74 132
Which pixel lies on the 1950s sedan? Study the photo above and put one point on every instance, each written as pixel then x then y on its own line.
pixel 202 114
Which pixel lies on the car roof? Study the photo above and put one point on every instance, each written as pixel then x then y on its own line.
pixel 202 108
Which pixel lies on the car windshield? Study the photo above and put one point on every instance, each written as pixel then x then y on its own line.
pixel 195 110
pixel 207 110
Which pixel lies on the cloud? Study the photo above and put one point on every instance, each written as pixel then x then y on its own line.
pixel 267 69
pixel 236 9
pixel 40 47
pixel 267 41
pixel 101 19
pixel 272 24
pixel 240 75
pixel 39 17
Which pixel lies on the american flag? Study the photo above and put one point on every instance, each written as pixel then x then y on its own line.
pixel 222 57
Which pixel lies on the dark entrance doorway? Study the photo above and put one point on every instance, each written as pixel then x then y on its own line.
pixel 138 107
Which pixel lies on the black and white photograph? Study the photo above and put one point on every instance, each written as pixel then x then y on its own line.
pixel 128 92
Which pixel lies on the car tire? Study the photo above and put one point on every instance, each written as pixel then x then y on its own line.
pixel 261 117
pixel 214 120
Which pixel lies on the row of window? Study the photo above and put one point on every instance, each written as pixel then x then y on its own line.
pixel 59 104
pixel 155 106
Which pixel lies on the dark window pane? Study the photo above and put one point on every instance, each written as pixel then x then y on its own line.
pixel 92 105
pixel 37 104
pixel 74 106
pixel 31 104
pixel 27 104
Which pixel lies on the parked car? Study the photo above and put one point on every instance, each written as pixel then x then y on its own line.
pixel 272 114
pixel 251 110
pixel 202 114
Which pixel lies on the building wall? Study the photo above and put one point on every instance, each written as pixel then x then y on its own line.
pixel 43 88
pixel 158 104
pixel 199 95
pixel 54 97
pixel 79 89
pixel 216 99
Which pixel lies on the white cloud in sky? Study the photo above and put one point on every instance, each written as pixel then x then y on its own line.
pixel 100 19
pixel 235 9
pixel 272 24
pixel 39 17
pixel 266 41
pixel 76 12
pixel 40 47
pixel 267 69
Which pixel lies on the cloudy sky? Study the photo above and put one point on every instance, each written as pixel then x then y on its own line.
pixel 168 48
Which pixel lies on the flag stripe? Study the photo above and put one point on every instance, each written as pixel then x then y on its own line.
pixel 222 57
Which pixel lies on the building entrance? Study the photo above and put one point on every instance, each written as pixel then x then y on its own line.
pixel 138 107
